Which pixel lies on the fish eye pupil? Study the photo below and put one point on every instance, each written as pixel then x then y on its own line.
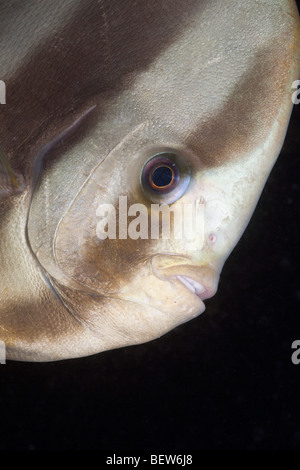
pixel 162 176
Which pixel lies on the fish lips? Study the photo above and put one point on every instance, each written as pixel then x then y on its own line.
pixel 194 286
pixel 202 281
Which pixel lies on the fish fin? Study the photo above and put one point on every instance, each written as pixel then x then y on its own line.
pixel 10 182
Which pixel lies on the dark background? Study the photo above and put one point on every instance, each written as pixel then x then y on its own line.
pixel 222 381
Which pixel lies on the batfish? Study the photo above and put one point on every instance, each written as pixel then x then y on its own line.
pixel 114 115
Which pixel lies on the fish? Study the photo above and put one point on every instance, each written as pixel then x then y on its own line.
pixel 117 112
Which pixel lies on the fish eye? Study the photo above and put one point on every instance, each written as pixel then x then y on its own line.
pixel 161 174
pixel 165 177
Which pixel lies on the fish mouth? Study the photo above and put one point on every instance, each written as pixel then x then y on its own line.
pixel 202 281
pixel 194 286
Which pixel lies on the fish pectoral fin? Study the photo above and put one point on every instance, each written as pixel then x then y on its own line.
pixel 10 182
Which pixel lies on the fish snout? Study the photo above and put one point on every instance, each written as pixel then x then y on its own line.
pixel 198 287
pixel 201 280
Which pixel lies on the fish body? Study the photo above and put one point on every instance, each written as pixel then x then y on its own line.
pixel 99 96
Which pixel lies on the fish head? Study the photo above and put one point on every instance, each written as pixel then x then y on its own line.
pixel 191 137
pixel 216 130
